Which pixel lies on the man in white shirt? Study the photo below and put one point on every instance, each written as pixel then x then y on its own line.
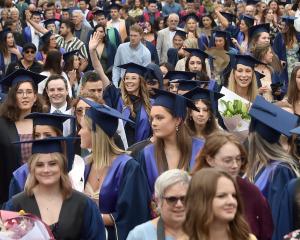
pixel 57 92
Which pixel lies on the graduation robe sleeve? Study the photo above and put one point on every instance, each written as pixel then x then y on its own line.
pixel 93 226
pixel 132 206
pixel 285 220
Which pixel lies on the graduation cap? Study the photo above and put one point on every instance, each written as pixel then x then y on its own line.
pixel 134 68
pixel 177 104
pixel 46 36
pixel 270 121
pixel 246 60
pixel 229 16
pixel 68 55
pixel 249 20
pixel 187 85
pixel 198 93
pixel 22 75
pixel 188 16
pixel 180 33
pixel 154 72
pixel 173 75
pixel 295 131
pixel 256 29
pixel 205 94
pixel 104 116
pixel 198 53
pixel 47 145
pixel 220 33
pixel 50 21
pixel 252 2
pixel 51 119
pixel 288 19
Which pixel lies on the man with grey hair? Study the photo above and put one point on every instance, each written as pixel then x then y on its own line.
pixel 82 30
pixel 165 37
pixel 170 192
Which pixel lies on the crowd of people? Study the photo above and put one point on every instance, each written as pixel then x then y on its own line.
pixel 110 125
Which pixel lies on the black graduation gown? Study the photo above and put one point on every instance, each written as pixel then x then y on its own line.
pixel 10 157
pixel 79 217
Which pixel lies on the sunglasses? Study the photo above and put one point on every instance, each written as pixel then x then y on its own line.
pixel 172 200
pixel 28 51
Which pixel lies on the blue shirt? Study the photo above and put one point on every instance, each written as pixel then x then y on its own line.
pixel 125 54
pixel 171 8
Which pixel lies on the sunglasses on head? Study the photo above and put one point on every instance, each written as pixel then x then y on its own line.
pixel 172 200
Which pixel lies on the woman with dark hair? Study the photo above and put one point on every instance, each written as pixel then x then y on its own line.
pixel 224 151
pixel 195 62
pixel 9 51
pixel 222 217
pixel 293 94
pixel 159 24
pixel 21 100
pixel 52 66
pixel 150 34
pixel 48 43
pixel 206 25
pixel 71 68
pixel 242 41
pixel 105 50
pixel 273 4
pixel 286 45
pixel 203 122
pixel 270 85
pixel 268 17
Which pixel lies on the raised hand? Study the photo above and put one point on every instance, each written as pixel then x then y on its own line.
pixel 94 40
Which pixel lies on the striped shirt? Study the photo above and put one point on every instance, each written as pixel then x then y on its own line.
pixel 74 44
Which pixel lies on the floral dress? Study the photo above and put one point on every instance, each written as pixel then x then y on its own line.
pixel 292 57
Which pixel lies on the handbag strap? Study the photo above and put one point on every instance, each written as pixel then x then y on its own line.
pixel 160 229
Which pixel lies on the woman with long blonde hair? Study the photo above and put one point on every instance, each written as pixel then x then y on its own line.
pixel 113 179
pixel 214 209
pixel 49 195
pixel 242 79
pixel 270 167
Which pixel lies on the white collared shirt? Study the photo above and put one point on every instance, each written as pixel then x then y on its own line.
pixel 67 123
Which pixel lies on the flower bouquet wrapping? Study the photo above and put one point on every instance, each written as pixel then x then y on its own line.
pixel 234 111
pixel 295 235
pixel 23 226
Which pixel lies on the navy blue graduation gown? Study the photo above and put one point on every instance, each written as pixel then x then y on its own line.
pixel 124 195
pixel 142 127
pixel 289 210
pixel 148 161
pixel 271 181
pixel 79 217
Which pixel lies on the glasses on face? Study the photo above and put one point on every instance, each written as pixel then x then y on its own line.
pixel 81 110
pixel 230 160
pixel 21 93
pixel 172 200
pixel 30 51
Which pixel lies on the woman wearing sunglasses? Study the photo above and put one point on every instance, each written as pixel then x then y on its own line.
pixel 170 192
